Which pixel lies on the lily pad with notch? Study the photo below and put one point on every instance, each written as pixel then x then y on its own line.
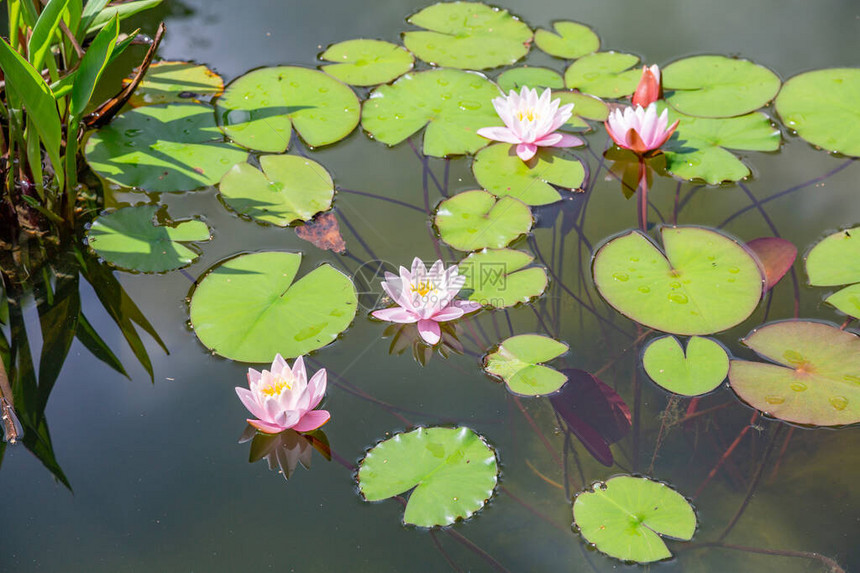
pixel 174 82
pixel 570 40
pixel 518 361
pixel 451 103
pixel 835 261
pixel 626 517
pixel 366 62
pixel 698 370
pixel 260 109
pixel 585 108
pixel 814 377
pixel 604 74
pixel 248 308
pixel 158 148
pixel 453 472
pixel 705 283
pixel 289 188
pixel 502 278
pixel 500 171
pixel 474 220
pixel 531 77
pixel 131 239
pixel 467 35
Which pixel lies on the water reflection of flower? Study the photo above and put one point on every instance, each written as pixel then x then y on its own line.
pixel 283 398
pixel 406 336
pixel 286 450
pixel 426 298
pixel 531 122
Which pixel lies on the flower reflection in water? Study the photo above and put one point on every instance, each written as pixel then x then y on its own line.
pixel 286 450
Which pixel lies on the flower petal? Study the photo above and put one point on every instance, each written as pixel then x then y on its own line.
pixel 317 386
pixel 396 314
pixel 266 427
pixel 429 330
pixel 568 140
pixel 250 402
pixel 312 420
pixel 526 151
pixel 502 134
pixel 449 313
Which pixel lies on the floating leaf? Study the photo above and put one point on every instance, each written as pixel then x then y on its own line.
pixel 259 110
pixel 248 308
pixel 130 239
pixel 821 106
pixel 534 78
pixel 593 412
pixel 776 256
pixel 816 378
pixel 604 74
pixel 475 220
pixel 518 360
pixel 835 261
pixel 705 283
pixel 288 189
pixel 452 104
pixel 500 279
pixel 717 86
pixel 846 300
pixel 366 62
pixel 500 171
pixel 172 147
pixel 174 82
pixel 323 232
pixel 585 107
pixel 701 370
pixel 571 40
pixel 467 35
pixel 697 150
pixel 626 516
pixel 453 471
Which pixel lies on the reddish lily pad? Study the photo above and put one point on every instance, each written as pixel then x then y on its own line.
pixel 815 379
pixel 776 256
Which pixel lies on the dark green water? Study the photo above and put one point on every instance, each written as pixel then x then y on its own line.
pixel 160 483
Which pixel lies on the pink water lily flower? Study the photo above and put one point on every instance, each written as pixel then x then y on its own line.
pixel 283 398
pixel 640 129
pixel 426 297
pixel 531 122
pixel 650 87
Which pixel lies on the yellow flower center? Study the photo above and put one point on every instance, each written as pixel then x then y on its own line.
pixel 276 388
pixel 423 288
pixel 529 115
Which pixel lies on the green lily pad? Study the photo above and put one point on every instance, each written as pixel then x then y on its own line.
pixel 453 470
pixel 259 110
pixel 846 300
pixel 366 62
pixel 835 260
pixel 288 189
pixel 467 35
pixel 500 171
pixel 130 238
pixel 173 147
pixel 626 516
pixel 816 378
pixel 535 78
pixel 498 278
pixel 604 74
pixel 585 107
pixel 248 308
pixel 821 106
pixel 717 86
pixel 702 369
pixel 571 40
pixel 475 220
pixel 452 104
pixel 175 82
pixel 705 283
pixel 518 360
pixel 699 147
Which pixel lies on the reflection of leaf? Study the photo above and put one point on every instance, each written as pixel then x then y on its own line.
pixel 323 232
pixel 58 317
pixel 97 346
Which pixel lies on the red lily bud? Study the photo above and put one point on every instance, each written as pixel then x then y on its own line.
pixel 650 87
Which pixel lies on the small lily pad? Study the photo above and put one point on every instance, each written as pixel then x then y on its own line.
pixel 500 171
pixel 259 110
pixel 699 147
pixel 172 147
pixel 366 62
pixel 821 106
pixel 705 283
pixel 288 189
pixel 452 104
pixel 700 370
pixel 776 256
pixel 248 308
pixel 816 378
pixel 604 74
pixel 453 470
pixel 717 86
pixel 835 261
pixel 467 35
pixel 526 76
pixel 130 238
pixel 626 516
pixel 174 82
pixel 571 40
pixel 585 107
pixel 475 220
pixel 518 360
pixel 846 300
pixel 498 278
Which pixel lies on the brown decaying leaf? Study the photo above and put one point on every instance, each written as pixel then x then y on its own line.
pixel 776 256
pixel 324 232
